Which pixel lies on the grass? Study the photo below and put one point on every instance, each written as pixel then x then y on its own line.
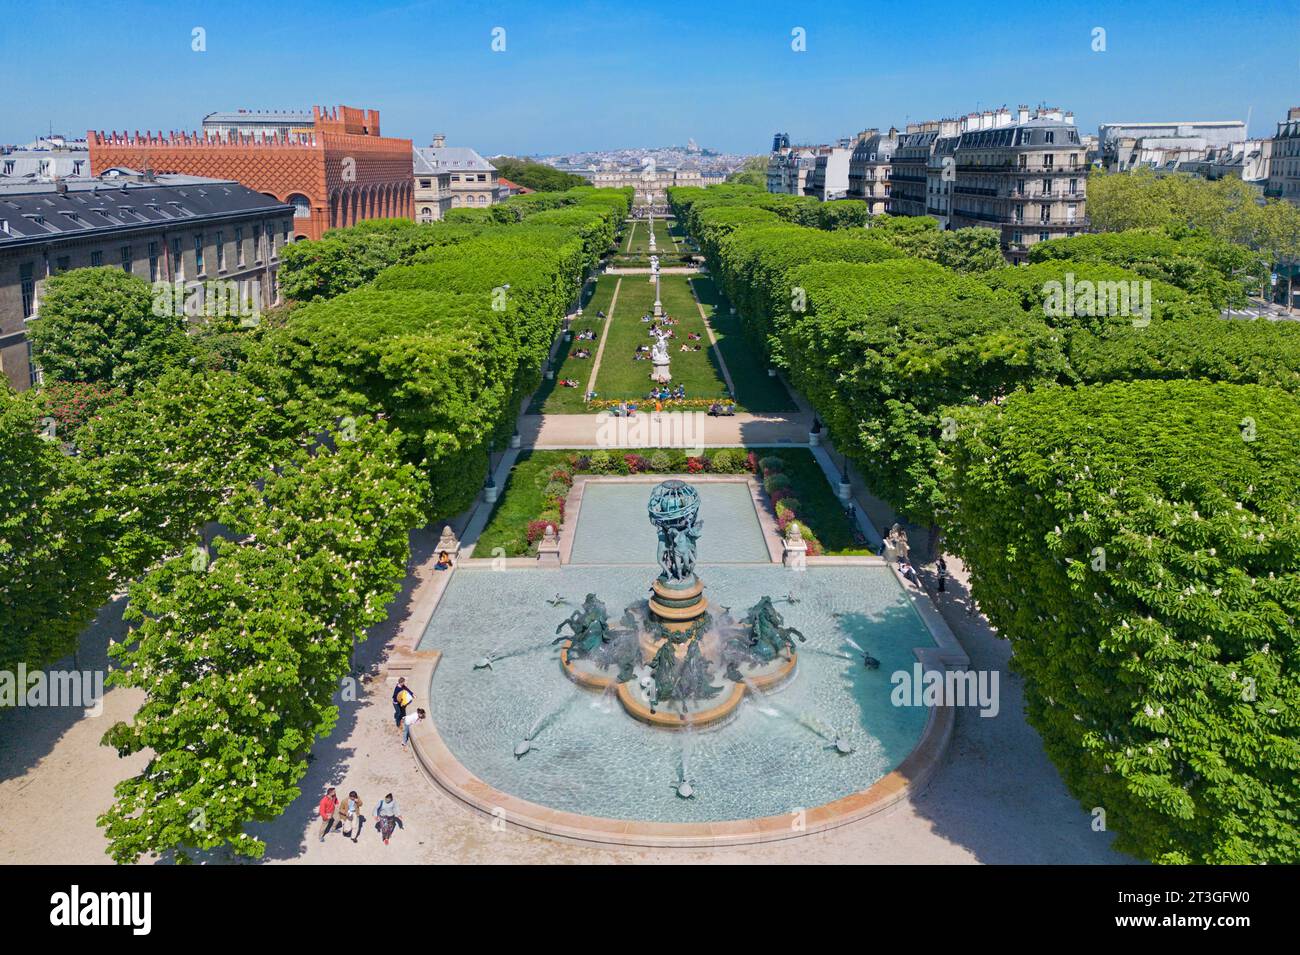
pixel 621 376
pixel 637 241
pixel 755 390
pixel 522 501
pixel 550 397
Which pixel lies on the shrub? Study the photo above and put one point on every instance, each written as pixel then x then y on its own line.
pixel 537 528
pixel 633 463
pixel 725 460
pixel 696 465
pixel 771 464
pixel 660 462
pixel 776 482
pixel 601 462
pixel 788 505
pixel 555 490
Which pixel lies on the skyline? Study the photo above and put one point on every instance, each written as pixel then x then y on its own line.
pixel 725 76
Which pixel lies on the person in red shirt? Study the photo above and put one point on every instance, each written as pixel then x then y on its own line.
pixel 329 802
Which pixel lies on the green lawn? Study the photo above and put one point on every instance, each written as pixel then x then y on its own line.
pixel 550 397
pixel 637 241
pixel 755 390
pixel 522 500
pixel 621 376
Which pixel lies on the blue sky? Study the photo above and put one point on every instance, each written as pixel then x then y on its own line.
pixel 589 75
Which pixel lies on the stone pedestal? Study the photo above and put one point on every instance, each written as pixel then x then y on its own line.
pixel 548 548
pixel 814 438
pixel 448 542
pixel 844 492
pixel 794 548
pixel 514 440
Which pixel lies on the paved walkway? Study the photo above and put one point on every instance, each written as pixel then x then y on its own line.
pixel 593 430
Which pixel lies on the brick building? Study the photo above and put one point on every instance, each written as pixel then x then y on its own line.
pixel 335 170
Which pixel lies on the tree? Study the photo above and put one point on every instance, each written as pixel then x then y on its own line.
pixel 536 175
pixel 240 656
pixel 100 325
pixel 1137 544
pixel 753 172
pixel 54 571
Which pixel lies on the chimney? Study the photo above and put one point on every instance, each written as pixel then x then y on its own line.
pixel 1022 114
pixel 439 141
pixel 1069 118
pixel 148 174
pixel 60 186
pixel 1293 113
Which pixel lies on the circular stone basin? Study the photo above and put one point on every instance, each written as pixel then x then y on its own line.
pixel 588 756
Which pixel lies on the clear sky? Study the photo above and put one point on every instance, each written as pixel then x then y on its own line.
pixel 590 75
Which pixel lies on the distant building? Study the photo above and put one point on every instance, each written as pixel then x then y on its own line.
pixel 335 172
pixel 829 179
pixel 161 228
pixel 649 181
pixel 432 189
pixel 258 124
pixel 870 167
pixel 790 169
pixel 509 188
pixel 474 180
pixel 1284 170
pixel 46 157
pixel 1166 146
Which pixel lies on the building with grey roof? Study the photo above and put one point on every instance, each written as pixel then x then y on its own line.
pixel 473 180
pixel 258 124
pixel 166 228
pixel 45 157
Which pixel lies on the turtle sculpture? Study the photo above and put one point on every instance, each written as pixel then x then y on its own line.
pixel 870 662
pixel 589 627
pixel 485 662
pixel 841 745
pixel 683 788
pixel 523 747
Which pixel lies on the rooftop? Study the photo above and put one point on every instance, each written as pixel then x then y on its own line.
pixel 119 199
pixel 431 159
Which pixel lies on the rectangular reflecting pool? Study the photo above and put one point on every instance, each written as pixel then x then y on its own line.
pixel 613 527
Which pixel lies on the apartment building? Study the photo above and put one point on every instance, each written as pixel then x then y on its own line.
pixel 1026 177
pixel 829 177
pixel 870 168
pixel 161 228
pixel 790 169
pixel 1284 169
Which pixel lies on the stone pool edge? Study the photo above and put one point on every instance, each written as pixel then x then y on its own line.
pixel 437 762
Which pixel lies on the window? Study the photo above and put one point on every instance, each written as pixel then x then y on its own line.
pixel 1049 137
pixel 76 166
pixel 257 243
pixel 62 263
pixel 1049 160
pixel 178 261
pixel 26 275
pixel 153 261
pixel 1044 236
pixel 221 252
pixel 9 167
pixel 426 183
pixel 126 259
pixel 1074 187
pixel 96 259
pixel 239 248
pixel 1047 187
pixel 301 206
pixel 1070 212
pixel 198 254
pixel 45 167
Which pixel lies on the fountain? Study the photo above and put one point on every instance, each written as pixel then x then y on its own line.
pixel 676 635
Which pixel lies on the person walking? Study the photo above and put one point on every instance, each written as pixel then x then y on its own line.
pixel 402 698
pixel 388 817
pixel 349 815
pixel 407 723
pixel 329 802
pixel 942 567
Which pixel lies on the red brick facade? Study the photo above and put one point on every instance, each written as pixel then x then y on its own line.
pixel 343 168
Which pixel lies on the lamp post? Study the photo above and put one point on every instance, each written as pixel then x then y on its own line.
pixel 490 488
